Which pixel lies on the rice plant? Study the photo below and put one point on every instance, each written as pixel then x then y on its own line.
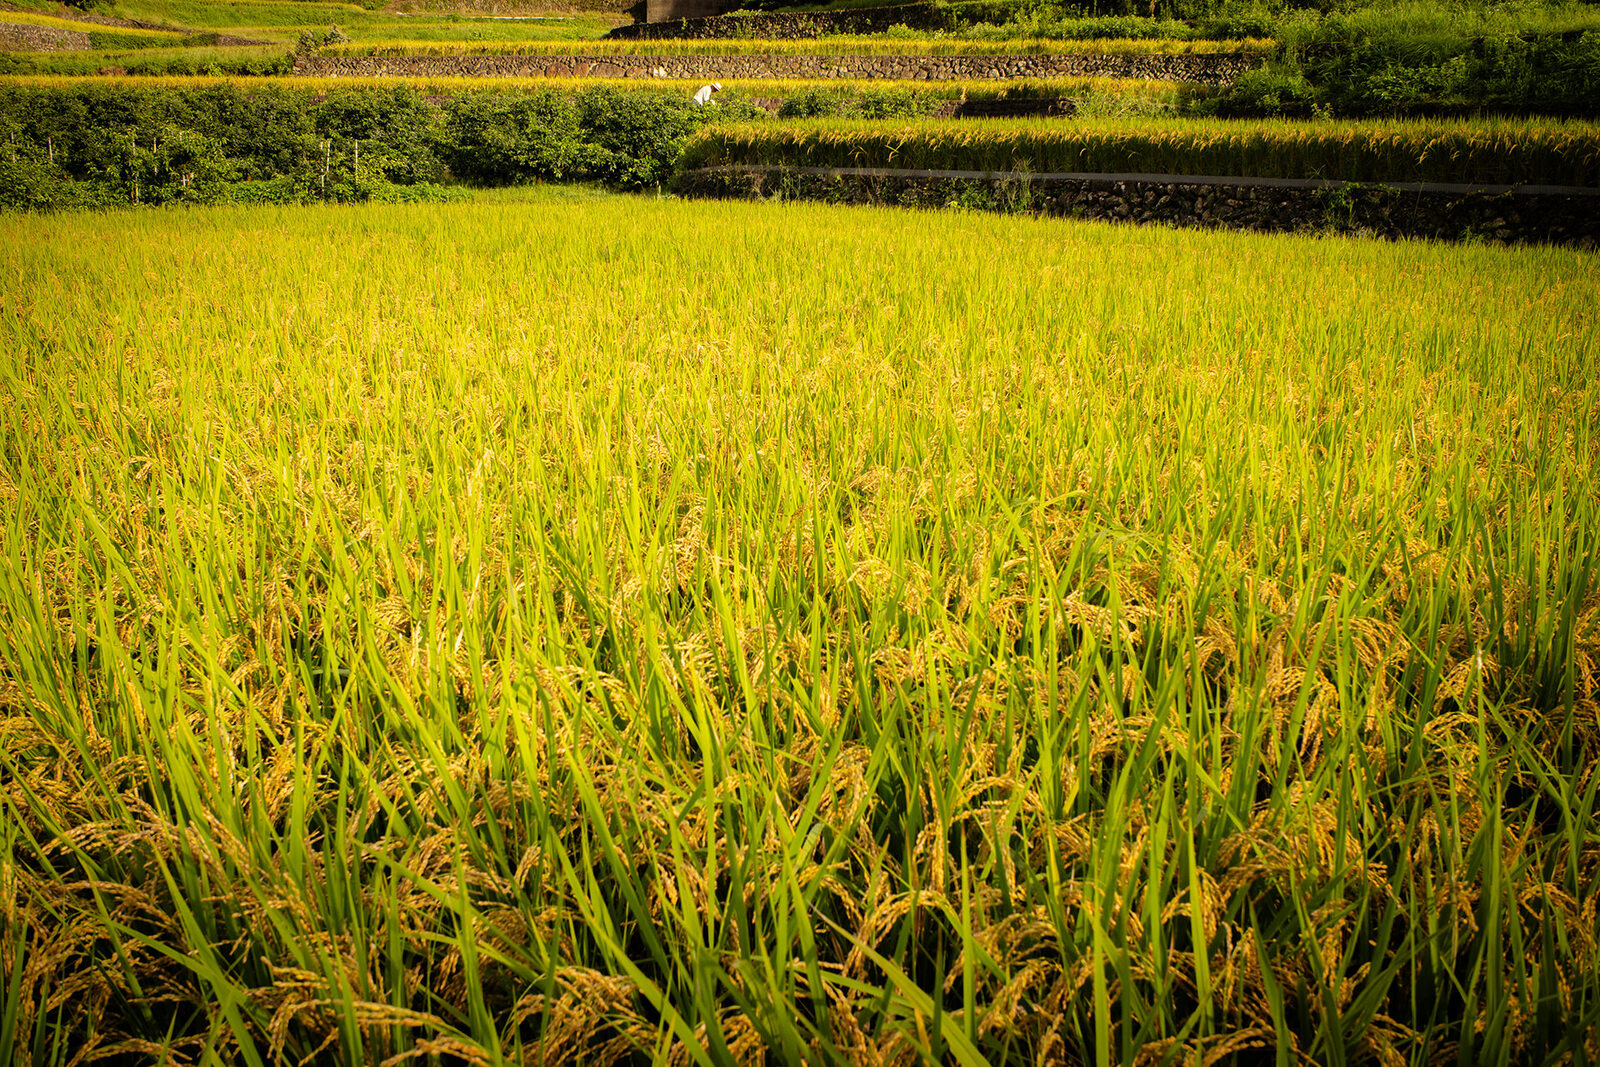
pixel 595 630
pixel 1153 91
pixel 1480 150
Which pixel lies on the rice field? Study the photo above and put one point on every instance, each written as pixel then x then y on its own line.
pixel 1140 90
pixel 561 628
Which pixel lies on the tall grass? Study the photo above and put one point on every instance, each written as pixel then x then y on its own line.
pixel 283 18
pixel 29 18
pixel 1430 26
pixel 1477 150
pixel 613 630
pixel 147 60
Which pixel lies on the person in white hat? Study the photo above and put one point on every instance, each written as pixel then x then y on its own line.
pixel 702 95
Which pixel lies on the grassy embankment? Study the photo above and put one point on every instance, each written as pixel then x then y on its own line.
pixel 283 20
pixel 541 631
pixel 93 29
pixel 280 24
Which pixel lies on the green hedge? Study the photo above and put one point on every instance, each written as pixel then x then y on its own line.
pixel 97 145
pixel 1546 153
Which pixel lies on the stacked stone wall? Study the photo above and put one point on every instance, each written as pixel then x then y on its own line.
pixel 25 37
pixel 1368 210
pixel 1214 68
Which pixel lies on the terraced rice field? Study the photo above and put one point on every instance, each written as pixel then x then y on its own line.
pixel 1478 150
pixel 1146 91
pixel 580 629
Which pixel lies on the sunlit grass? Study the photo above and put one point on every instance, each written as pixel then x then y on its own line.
pixel 283 19
pixel 560 630
pixel 33 19
pixel 1157 91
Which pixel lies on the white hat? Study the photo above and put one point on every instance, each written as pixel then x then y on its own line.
pixel 716 87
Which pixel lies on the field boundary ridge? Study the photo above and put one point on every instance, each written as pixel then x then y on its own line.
pixel 1206 68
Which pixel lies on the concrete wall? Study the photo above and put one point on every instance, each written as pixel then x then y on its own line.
pixel 24 37
pixel 1204 69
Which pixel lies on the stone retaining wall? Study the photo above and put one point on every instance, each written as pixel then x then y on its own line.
pixel 1217 68
pixel 1366 210
pixel 25 37
pixel 778 26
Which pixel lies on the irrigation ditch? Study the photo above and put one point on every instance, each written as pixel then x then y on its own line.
pixel 1509 214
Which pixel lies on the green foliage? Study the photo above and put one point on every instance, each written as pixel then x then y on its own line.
pixel 397 126
pixel 1428 59
pixel 1100 28
pixel 637 136
pixel 1362 65
pixel 812 103
pixel 1268 91
pixel 165 145
pixel 196 145
pixel 310 41
pixel 630 138
pixel 500 138
pixel 859 102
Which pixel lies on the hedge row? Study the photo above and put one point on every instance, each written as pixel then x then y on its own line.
pixel 96 145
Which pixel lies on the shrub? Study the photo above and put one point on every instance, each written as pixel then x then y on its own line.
pixel 636 135
pixel 812 103
pixel 501 138
pixel 1268 92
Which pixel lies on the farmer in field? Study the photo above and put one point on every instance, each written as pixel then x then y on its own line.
pixel 702 95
